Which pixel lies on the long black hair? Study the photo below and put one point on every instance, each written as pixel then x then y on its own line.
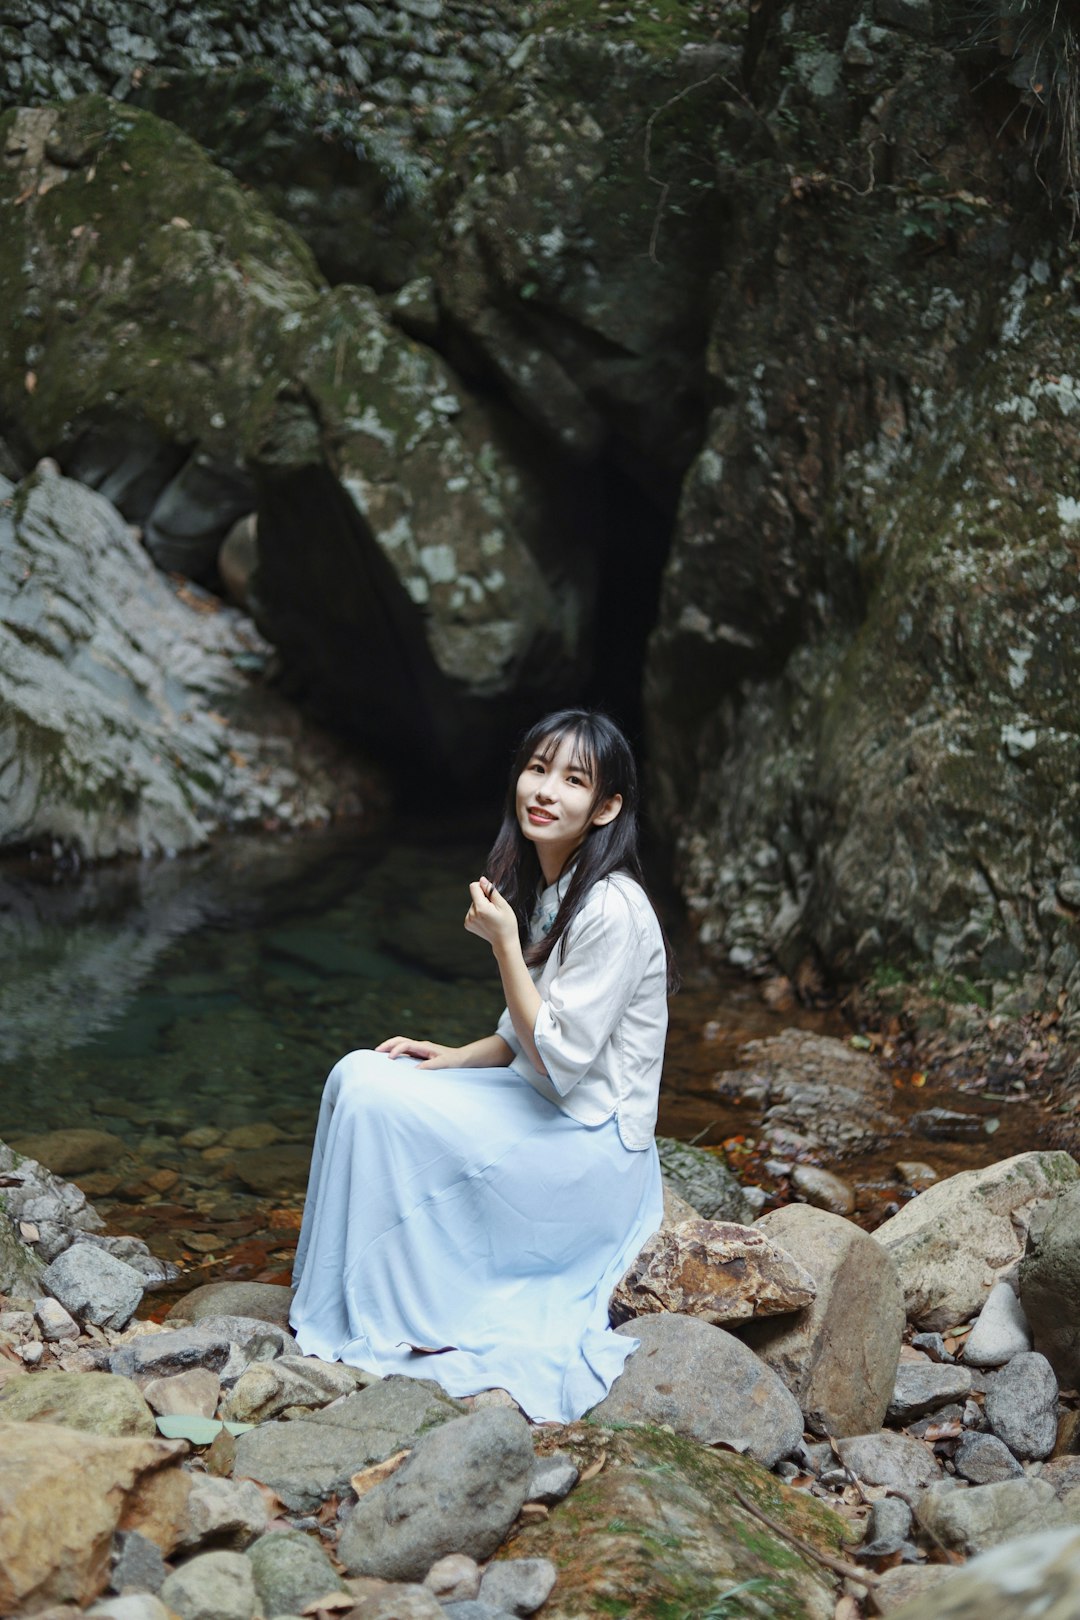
pixel 513 865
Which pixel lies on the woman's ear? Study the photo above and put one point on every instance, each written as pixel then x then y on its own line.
pixel 608 810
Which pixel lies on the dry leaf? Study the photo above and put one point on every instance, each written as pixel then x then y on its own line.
pixel 534 1510
pixel 29 1231
pixel 369 1477
pixel 593 1468
pixel 943 1431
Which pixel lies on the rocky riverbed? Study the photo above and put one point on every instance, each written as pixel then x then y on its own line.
pixel 819 1420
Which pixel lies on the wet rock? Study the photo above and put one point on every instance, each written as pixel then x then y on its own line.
pixel 196 1391
pixel 1050 1284
pixel 987 1515
pixel 707 1385
pixel 223 1512
pixel 455 1578
pixel 983 1459
pixel 1001 1331
pixel 902 1463
pixel 703 1180
pixel 952 1240
pixel 925 1386
pixel 813 1091
pixel 307 1459
pixel 554 1477
pixel 842 1379
pixel 268 1302
pixel 271 1387
pixel 54 1544
pixel 274 1171
pixel 459 1491
pixel 67 1152
pixel 1021 1405
pixel 137 1564
pixel 518 1585
pixel 212 1586
pixel 94 1286
pixel 291 1570
pixel 822 1189
pixel 715 1270
pixel 93 1402
pixel 1023 1579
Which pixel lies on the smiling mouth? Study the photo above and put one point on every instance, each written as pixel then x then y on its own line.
pixel 541 816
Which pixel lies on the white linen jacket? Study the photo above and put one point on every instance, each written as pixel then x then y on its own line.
pixel 603 1015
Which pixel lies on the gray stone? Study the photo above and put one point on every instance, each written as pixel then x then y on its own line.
pixel 951 1242
pixel 1050 1285
pixel 842 1379
pixel 901 1462
pixel 267 1302
pixel 924 1386
pixel 983 1459
pixel 703 1180
pixel 195 1392
pixel 518 1585
pixel 213 1586
pixel 969 1521
pixel 291 1570
pixel 137 1565
pixel 306 1459
pixel 94 1286
pixel 707 1385
pixel 55 1323
pixel 454 1579
pixel 813 1091
pixel 1021 1405
pixel 129 1606
pixel 889 1528
pixel 459 1491
pixel 404 1602
pixel 475 1610
pixel 225 1512
pixel 932 1345
pixel 822 1189
pixel 161 1355
pixel 271 1387
pixel 1035 1577
pixel 251 1339
pixel 906 1585
pixel 553 1478
pixel 93 1402
pixel 1001 1332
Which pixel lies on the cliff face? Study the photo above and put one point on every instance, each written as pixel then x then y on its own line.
pixel 751 331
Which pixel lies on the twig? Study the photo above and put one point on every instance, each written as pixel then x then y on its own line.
pixel 841 1566
pixel 665 185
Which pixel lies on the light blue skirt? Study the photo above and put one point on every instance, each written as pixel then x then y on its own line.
pixel 457 1211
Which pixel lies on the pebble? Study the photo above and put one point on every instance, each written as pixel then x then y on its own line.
pixel 518 1585
pixel 1021 1406
pixel 137 1564
pixel 822 1189
pixel 1001 1331
pixel 924 1386
pixel 553 1478
pixel 983 1459
pixel 212 1586
pixel 932 1345
pixel 889 1528
pixel 915 1173
pixel 55 1323
pixel 454 1578
pixel 905 1465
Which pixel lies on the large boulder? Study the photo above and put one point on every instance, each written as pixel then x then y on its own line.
pixel 1026 1578
pixel 952 1241
pixel 841 1374
pixel 716 1270
pixel 93 1402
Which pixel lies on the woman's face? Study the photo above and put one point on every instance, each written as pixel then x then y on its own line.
pixel 556 804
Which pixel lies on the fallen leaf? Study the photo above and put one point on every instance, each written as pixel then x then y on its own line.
pixel 918 1078
pixel 943 1431
pixel 367 1478
pixel 534 1510
pixel 29 1231
pixel 593 1468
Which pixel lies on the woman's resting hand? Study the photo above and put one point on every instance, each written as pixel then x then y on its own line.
pixel 431 1054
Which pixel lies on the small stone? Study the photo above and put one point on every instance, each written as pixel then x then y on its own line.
pixel 453 1578
pixel 128 1606
pixel 553 1478
pixel 907 1583
pixel 518 1585
pixel 1001 1331
pixel 984 1460
pixel 902 1463
pixel 932 1345
pixel 915 1173
pixel 1021 1406
pixel 94 1286
pixel 971 1520
pixel 267 1302
pixel 925 1386
pixel 195 1392
pixel 32 1353
pixel 67 1152
pixel 137 1564
pixel 213 1586
pixel 406 1601
pixel 291 1572
pixel 889 1528
pixel 822 1189
pixel 227 1512
pixel 55 1323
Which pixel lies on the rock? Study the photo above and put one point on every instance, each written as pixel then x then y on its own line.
pixel 131 1606
pixel 711 1543
pixel 307 1459
pixel 54 1545
pixel 237 561
pixel 707 1385
pixel 268 1302
pixel 291 1570
pixel 703 1180
pixel 813 1091
pixel 843 1380
pixel 822 1189
pixel 1063 1473
pixel 518 1585
pixel 226 1512
pixel 213 1586
pixel 916 1173
pixel 67 1152
pixel 93 1402
pixel 20 1267
pixel 904 1464
pixel 1021 1405
pixel 137 1564
pixel 226 1345
pixel 983 1459
pixel 554 1477
pixel 904 1585
pixel 411 1602
pixel 924 1386
pixel 274 1171
pixel 196 1391
pixel 1001 1332
pixel 271 1387
pixel 1049 1275
pixel 715 1270
pixel 1024 1579
pixel 94 1286
pixel 932 1345
pixel 454 1578
pixel 951 1241
pixel 459 1491
pixel 987 1515
pixel 55 1323
pixel 889 1528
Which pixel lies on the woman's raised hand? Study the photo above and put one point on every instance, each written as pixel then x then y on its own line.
pixel 431 1054
pixel 490 916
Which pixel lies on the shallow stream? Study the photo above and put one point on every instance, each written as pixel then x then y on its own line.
pixel 189 1011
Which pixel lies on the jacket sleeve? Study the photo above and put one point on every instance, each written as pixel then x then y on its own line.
pixel 591 988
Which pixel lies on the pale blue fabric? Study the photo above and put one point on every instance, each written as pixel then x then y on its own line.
pixel 458 1210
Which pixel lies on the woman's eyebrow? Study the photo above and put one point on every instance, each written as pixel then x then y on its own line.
pixel 579 768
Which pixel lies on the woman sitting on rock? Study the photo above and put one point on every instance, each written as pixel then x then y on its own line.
pixel 469 1225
